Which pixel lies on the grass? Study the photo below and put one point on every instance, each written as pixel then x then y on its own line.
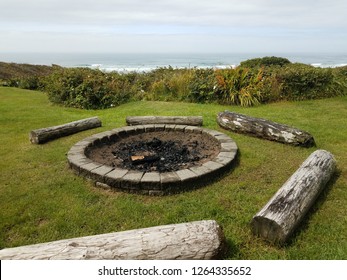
pixel 42 200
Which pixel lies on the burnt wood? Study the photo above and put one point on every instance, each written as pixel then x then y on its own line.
pixel 278 219
pixel 195 240
pixel 265 129
pixel 43 135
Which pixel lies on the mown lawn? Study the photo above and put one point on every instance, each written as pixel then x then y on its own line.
pixel 42 200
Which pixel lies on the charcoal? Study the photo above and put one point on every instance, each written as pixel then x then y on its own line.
pixel 157 155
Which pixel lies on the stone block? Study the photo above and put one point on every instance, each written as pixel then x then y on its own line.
pixel 151 180
pixel 99 173
pixel 186 174
pixel 192 129
pixel 132 180
pixel 114 177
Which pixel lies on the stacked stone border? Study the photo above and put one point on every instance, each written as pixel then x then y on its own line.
pixel 151 183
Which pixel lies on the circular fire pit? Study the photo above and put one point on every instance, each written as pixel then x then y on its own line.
pixel 153 159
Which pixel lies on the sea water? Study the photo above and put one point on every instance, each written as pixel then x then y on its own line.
pixel 125 62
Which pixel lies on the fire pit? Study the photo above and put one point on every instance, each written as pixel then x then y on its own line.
pixel 153 159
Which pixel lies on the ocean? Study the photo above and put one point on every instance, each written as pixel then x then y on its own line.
pixel 145 62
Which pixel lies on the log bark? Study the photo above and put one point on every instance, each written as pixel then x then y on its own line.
pixel 43 135
pixel 286 209
pixel 189 120
pixel 265 129
pixel 194 240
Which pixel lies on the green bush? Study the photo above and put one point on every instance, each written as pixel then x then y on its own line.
pixel 265 61
pixel 300 82
pixel 202 86
pixel 86 88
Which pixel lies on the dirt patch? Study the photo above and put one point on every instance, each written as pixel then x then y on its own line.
pixel 161 151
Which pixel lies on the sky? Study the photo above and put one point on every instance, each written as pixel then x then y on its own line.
pixel 161 26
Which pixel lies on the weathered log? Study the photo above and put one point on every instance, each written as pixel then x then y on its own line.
pixel 286 209
pixel 189 120
pixel 43 135
pixel 265 129
pixel 194 240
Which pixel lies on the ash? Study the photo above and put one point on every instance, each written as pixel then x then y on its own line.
pixel 158 155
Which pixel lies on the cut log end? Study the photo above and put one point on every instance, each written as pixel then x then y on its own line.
pixel 267 229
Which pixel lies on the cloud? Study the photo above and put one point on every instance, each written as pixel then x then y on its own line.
pixel 223 20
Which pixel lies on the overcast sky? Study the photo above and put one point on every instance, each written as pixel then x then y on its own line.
pixel 173 26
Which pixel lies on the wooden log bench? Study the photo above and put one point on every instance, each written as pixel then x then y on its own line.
pixel 278 219
pixel 265 129
pixel 43 135
pixel 183 120
pixel 194 240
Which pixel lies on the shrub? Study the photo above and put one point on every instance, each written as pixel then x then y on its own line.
pixel 86 88
pixel 265 61
pixel 202 86
pixel 300 82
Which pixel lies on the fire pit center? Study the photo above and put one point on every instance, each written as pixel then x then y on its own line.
pixel 153 159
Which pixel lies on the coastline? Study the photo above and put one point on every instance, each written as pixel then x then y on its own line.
pixel 144 62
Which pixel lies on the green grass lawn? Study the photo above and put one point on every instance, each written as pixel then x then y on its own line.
pixel 42 200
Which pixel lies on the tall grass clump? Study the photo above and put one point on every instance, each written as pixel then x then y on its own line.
pixel 240 86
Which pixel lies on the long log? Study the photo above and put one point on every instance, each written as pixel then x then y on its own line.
pixel 43 135
pixel 182 120
pixel 286 209
pixel 194 240
pixel 265 129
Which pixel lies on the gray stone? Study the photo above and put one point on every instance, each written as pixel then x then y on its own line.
pixel 159 127
pixel 170 127
pixel 132 180
pixel 200 170
pixel 223 160
pixel 99 173
pixel 192 129
pixel 85 170
pixel 228 147
pixel 211 132
pixel 186 174
pixel 212 165
pixel 149 127
pixel 169 178
pixel 180 127
pixel 227 154
pixel 223 138
pixel 151 180
pixel 114 177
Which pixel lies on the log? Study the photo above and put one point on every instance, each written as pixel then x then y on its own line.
pixel 43 135
pixel 286 209
pixel 265 129
pixel 194 240
pixel 189 120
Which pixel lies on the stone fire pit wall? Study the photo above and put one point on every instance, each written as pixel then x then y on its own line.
pixel 151 183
